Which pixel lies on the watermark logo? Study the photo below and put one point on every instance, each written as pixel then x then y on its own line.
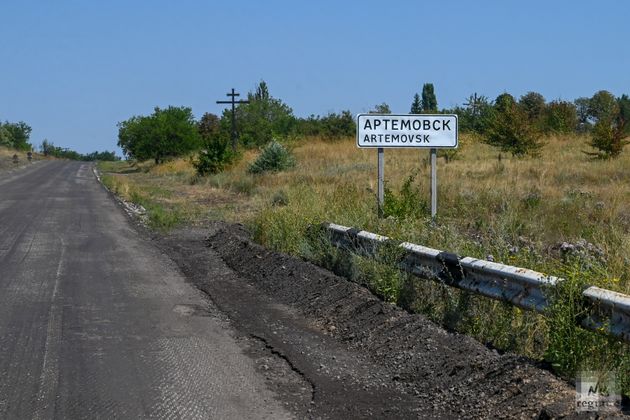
pixel 597 391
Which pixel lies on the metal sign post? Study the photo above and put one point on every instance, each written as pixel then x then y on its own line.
pixel 381 181
pixel 433 183
pixel 427 131
pixel 232 101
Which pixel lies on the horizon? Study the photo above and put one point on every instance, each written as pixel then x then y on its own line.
pixel 75 70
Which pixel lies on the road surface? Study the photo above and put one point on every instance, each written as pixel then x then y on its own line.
pixel 96 323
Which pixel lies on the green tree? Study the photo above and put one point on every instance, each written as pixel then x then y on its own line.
pixel 47 148
pixel 560 117
pixel 533 104
pixel 17 135
pixel 263 119
pixel 429 101
pixel 624 111
pixel 5 137
pixel 262 91
pixel 504 103
pixel 508 128
pixel 134 137
pixel 167 132
pixel 209 125
pixel 474 113
pixel 100 156
pixel 416 105
pixel 608 138
pixel 611 129
pixel 335 126
pixel 332 126
pixel 381 109
pixel 603 105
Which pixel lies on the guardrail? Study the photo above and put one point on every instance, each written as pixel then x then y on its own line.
pixel 527 289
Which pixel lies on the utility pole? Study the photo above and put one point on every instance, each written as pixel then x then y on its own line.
pixel 233 101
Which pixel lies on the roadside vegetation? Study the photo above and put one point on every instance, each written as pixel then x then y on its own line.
pixel 531 185
pixel 16 137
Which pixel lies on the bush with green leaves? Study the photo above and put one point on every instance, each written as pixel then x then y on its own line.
pixel 215 157
pixel 408 203
pixel 274 157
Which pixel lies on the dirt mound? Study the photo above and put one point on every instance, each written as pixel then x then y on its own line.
pixel 432 362
pixel 362 357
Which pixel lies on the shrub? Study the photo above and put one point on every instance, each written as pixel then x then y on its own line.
pixel 280 198
pixel 407 203
pixel 274 157
pixel 215 157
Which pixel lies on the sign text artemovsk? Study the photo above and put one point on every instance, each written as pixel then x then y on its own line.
pixel 425 131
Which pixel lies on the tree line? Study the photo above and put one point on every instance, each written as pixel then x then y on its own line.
pixel 519 126
pixel 17 136
pixel 513 125
pixel 174 131
pixel 47 148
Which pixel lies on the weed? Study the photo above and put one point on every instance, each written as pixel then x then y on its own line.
pixel 407 203
pixel 163 219
pixel 217 155
pixel 280 198
pixel 572 349
pixel 245 184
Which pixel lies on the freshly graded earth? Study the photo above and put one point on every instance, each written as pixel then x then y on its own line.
pixel 358 357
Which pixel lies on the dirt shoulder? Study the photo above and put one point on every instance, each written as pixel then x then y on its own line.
pixel 356 356
pixel 8 166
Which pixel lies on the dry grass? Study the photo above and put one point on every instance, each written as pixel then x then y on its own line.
pixel 6 158
pixel 518 210
pixel 488 202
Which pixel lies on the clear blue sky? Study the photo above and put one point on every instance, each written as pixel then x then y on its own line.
pixel 73 69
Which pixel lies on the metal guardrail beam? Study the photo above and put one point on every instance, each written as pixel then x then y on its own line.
pixel 522 287
pixel 610 312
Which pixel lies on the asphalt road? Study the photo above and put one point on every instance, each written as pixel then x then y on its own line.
pixel 96 323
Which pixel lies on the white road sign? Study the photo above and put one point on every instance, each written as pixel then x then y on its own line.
pixel 432 131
